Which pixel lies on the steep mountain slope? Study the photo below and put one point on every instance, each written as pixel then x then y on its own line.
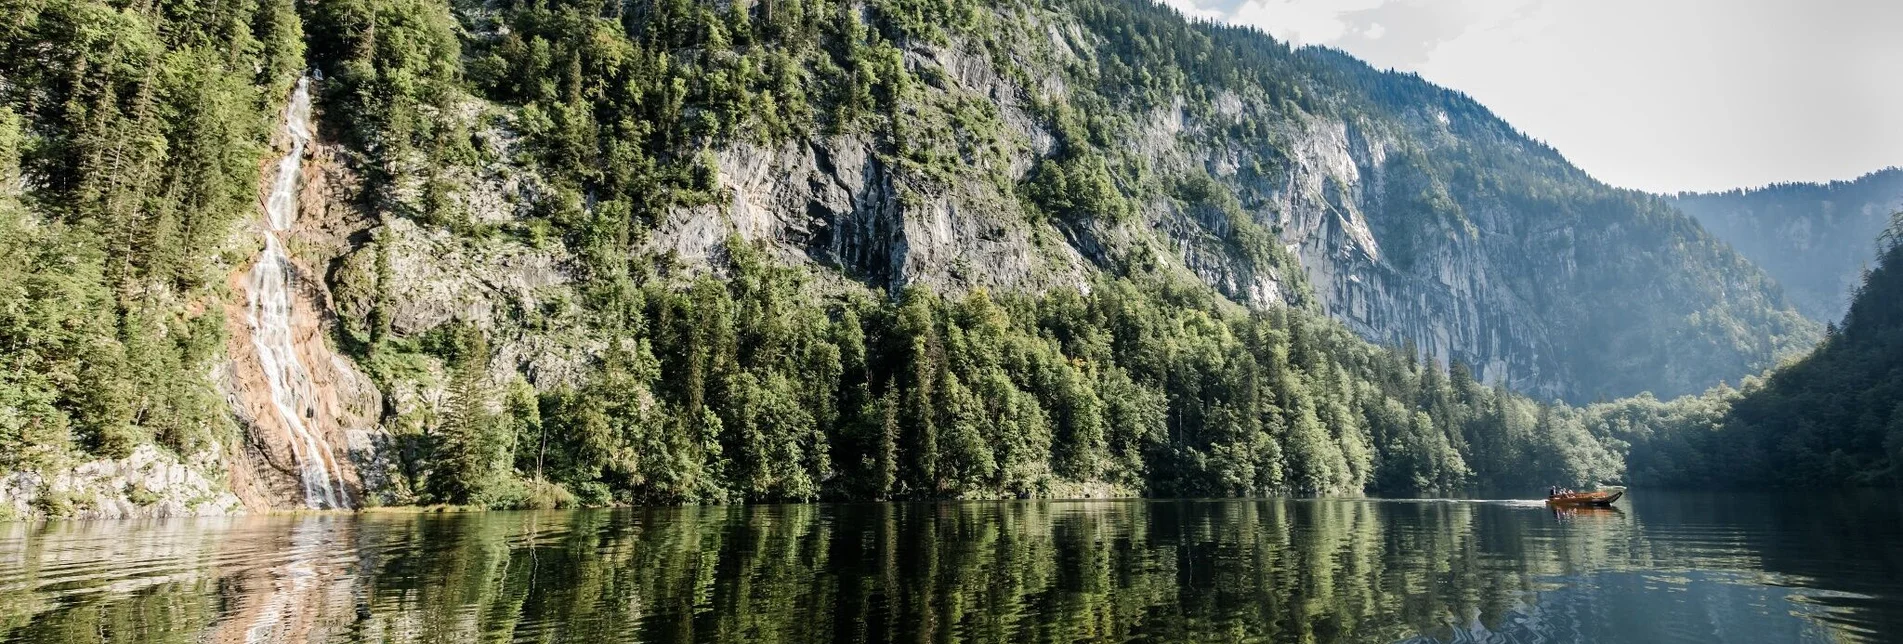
pixel 1815 239
pixel 1025 146
pixel 1833 416
pixel 1492 249
pixel 725 251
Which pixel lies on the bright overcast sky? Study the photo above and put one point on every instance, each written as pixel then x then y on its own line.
pixel 1662 95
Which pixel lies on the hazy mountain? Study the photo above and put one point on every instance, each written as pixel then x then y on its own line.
pixel 1828 419
pixel 1815 239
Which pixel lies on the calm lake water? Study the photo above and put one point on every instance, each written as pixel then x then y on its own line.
pixel 1661 568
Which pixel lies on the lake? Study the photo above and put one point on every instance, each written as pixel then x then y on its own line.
pixel 1659 568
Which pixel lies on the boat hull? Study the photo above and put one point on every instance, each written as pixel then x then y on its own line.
pixel 1585 499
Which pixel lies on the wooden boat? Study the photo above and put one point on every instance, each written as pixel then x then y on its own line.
pixel 1601 498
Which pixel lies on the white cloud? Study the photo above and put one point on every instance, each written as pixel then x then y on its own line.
pixel 1190 9
pixel 1660 95
pixel 1301 22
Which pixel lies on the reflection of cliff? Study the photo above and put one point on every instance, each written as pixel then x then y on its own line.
pixel 217 579
pixel 310 415
pixel 298 593
pixel 1266 570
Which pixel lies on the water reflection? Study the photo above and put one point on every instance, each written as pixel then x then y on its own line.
pixel 1669 568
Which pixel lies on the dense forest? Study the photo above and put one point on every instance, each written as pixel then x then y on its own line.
pixel 628 117
pixel 747 391
pixel 746 386
pixel 1833 417
pixel 131 135
pixel 130 138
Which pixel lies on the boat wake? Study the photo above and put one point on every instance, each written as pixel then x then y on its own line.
pixel 1513 503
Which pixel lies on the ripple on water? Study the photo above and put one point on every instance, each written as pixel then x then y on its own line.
pixel 1328 570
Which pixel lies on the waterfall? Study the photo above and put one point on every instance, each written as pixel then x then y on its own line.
pixel 292 392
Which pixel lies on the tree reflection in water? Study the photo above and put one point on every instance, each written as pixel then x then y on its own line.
pixel 1676 569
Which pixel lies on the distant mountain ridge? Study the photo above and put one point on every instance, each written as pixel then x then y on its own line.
pixel 1816 239
pixel 1829 419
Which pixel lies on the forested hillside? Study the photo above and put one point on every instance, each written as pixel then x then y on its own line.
pixel 681 252
pixel 1815 239
pixel 130 139
pixel 1834 417
pixel 1028 146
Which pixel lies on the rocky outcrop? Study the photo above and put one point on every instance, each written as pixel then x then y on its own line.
pixel 1537 276
pixel 149 482
pixel 839 203
pixel 413 276
pixel 311 420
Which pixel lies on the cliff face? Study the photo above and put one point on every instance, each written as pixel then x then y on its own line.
pixel 1514 262
pixel 1816 239
pixel 522 170
pixel 1413 215
pixel 311 420
pixel 1427 222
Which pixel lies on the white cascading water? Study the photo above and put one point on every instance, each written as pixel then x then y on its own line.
pixel 270 318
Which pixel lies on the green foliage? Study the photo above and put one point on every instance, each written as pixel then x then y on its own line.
pixel 392 73
pixel 129 142
pixel 754 387
pixel 475 446
pixel 1828 419
pixel 129 146
pixel 1078 188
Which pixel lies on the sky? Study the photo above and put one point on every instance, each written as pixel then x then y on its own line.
pixel 1659 95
